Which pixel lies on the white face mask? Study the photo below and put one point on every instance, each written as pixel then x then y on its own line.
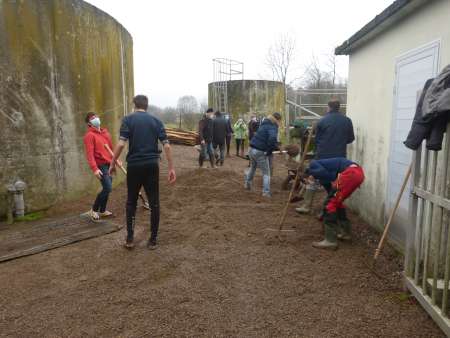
pixel 95 122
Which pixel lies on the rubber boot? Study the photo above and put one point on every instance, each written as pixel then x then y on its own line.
pixel 330 241
pixel 307 202
pixel 345 227
pixel 211 161
pixel 200 162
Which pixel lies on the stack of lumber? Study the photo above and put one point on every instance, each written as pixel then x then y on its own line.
pixel 179 136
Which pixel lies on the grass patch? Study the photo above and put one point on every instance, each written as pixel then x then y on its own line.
pixel 32 216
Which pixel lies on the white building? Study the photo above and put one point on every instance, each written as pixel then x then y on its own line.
pixel 390 59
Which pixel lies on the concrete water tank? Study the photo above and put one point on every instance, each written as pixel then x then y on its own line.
pixel 58 60
pixel 251 96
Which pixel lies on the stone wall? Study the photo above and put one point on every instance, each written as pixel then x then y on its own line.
pixel 58 60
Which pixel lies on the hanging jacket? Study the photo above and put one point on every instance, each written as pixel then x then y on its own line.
pixel 334 131
pixel 94 145
pixel 266 138
pixel 240 130
pixel 432 113
pixel 327 170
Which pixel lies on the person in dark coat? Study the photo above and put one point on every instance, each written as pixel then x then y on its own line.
pixel 334 132
pixel 230 133
pixel 205 132
pixel 263 143
pixel 220 131
pixel 253 126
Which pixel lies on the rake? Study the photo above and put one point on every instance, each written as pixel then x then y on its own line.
pixel 294 185
pixel 146 206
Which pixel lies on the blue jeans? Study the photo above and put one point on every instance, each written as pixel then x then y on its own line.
pixel 258 159
pixel 207 151
pixel 102 197
pixel 221 149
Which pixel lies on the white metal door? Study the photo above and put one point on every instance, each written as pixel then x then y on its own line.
pixel 412 71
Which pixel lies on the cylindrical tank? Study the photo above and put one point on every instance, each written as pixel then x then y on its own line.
pixel 58 60
pixel 250 96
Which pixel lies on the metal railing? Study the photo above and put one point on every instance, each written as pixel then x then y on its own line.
pixel 427 259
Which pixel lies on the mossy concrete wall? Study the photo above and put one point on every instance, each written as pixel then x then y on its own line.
pixel 58 60
pixel 252 96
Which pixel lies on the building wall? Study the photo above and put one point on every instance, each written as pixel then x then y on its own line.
pixel 58 60
pixel 370 98
pixel 252 96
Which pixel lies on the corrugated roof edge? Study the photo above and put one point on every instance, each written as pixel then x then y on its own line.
pixel 392 14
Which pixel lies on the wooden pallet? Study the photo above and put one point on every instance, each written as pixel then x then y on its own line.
pixel 47 236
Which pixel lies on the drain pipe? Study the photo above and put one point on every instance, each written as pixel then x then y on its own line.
pixel 16 190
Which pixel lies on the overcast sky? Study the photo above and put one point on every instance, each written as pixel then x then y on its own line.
pixel 176 40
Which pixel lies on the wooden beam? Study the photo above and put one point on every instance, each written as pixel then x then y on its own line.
pixel 436 200
pixel 96 231
pixel 442 321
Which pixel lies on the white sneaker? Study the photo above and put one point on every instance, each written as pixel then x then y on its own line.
pixel 94 215
pixel 105 214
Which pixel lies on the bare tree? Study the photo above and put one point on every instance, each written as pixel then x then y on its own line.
pixel 203 105
pixel 187 107
pixel 331 63
pixel 315 77
pixel 280 57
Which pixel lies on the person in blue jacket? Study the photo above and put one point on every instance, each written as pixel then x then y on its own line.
pixel 344 177
pixel 263 143
pixel 334 132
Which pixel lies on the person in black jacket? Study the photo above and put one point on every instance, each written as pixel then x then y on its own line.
pixel 334 132
pixel 230 133
pixel 205 132
pixel 253 126
pixel 220 130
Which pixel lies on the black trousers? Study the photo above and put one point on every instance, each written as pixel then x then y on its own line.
pixel 146 176
pixel 228 142
pixel 239 143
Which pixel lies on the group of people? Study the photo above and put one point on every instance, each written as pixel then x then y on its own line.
pixel 330 168
pixel 215 133
pixel 142 132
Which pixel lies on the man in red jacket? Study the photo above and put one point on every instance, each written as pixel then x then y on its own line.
pixel 99 160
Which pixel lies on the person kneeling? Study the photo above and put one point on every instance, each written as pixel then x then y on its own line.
pixel 345 176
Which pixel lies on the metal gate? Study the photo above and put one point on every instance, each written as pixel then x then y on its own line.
pixel 427 259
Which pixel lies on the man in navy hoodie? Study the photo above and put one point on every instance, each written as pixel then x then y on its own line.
pixel 263 143
pixel 344 177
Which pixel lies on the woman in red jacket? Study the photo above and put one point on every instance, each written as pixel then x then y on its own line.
pixel 99 160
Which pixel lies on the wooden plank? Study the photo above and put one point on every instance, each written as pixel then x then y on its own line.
pixel 428 217
pixel 436 200
pixel 412 233
pixel 96 231
pixel 446 276
pixel 423 168
pixel 442 321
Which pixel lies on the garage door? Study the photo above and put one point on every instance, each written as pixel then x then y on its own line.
pixel 412 70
